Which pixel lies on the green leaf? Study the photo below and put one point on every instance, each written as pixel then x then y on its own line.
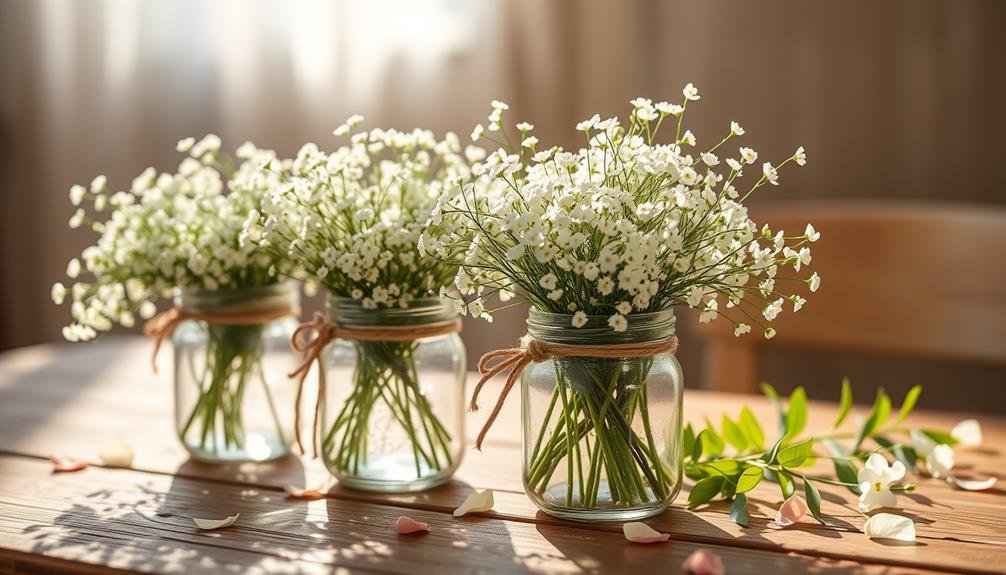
pixel 726 467
pixel 734 435
pixel 773 396
pixel 796 412
pixel 697 447
pixel 704 490
pixel 739 510
pixel 844 404
pixel 752 429
pixel 879 413
pixel 688 440
pixel 903 453
pixel 772 454
pixel 785 481
pixel 911 398
pixel 749 479
pixel 795 455
pixel 712 443
pixel 846 472
pixel 813 497
pixel 940 436
pixel 729 489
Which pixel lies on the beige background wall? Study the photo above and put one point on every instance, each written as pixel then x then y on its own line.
pixel 896 100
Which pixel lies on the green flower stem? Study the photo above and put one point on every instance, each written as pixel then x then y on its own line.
pixel 597 400
pixel 385 374
pixel 233 356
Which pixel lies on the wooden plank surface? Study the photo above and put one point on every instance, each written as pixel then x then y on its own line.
pixel 70 400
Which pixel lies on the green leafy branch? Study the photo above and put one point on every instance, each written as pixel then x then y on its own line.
pixel 717 474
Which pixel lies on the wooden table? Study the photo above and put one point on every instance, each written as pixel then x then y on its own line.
pixel 72 399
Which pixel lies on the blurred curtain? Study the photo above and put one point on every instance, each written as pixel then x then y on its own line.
pixel 897 99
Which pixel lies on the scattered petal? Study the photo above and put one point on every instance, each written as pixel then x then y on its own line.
pixel 968 433
pixel 209 524
pixel 294 492
pixel 703 562
pixel 65 464
pixel 638 532
pixel 973 484
pixel 791 511
pixel 406 525
pixel 476 502
pixel 117 453
pixel 890 526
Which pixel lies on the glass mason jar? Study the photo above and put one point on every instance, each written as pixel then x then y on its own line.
pixel 233 397
pixel 602 437
pixel 393 416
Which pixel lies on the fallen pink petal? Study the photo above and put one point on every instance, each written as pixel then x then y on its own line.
pixel 294 492
pixel 703 562
pixel 642 533
pixel 406 525
pixel 791 511
pixel 66 465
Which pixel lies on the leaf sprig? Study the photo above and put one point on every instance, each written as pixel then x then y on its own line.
pixel 729 461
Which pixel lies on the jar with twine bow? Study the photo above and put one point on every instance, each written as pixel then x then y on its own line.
pixel 601 414
pixel 232 360
pixel 389 414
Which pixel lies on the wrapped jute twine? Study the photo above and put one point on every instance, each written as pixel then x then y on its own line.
pixel 312 337
pixel 531 350
pixel 162 325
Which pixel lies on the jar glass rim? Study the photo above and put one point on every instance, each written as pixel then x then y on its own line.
pixel 421 311
pixel 640 327
pixel 277 295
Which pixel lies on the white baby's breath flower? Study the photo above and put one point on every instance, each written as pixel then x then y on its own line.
pixel 579 319
pixel 736 129
pixel 770 173
pixel 814 282
pixel 741 329
pixel 748 156
pixel 73 268
pixel 690 92
pixel 768 332
pixel 477 132
pixel 99 184
pixel 77 193
pixel 58 293
pixel 618 322
pixel 710 159
pixel 548 281
pixel 811 234
pixel 185 145
pixel 800 156
pixel 77 219
pixel 529 142
pixel 525 127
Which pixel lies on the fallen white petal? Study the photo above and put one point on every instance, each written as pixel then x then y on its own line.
pixel 968 433
pixel 890 526
pixel 116 453
pixel 406 525
pixel 477 501
pixel 703 562
pixel 974 484
pixel 642 533
pixel 66 465
pixel 307 494
pixel 209 524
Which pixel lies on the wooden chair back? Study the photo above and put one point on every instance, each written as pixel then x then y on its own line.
pixel 917 279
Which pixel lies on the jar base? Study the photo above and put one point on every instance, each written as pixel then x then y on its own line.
pixel 594 514
pixel 258 448
pixel 393 473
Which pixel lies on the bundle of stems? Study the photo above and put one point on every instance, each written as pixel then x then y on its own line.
pixel 233 362
pixel 385 375
pixel 587 436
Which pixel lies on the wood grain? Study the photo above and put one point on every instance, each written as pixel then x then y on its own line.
pixel 98 392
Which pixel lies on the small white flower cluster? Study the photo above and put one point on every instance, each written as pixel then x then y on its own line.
pixel 623 225
pixel 181 230
pixel 351 218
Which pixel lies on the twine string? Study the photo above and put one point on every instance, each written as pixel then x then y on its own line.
pixel 513 361
pixel 161 326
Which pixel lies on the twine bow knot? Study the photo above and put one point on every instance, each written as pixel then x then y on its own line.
pixel 311 338
pixel 530 350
